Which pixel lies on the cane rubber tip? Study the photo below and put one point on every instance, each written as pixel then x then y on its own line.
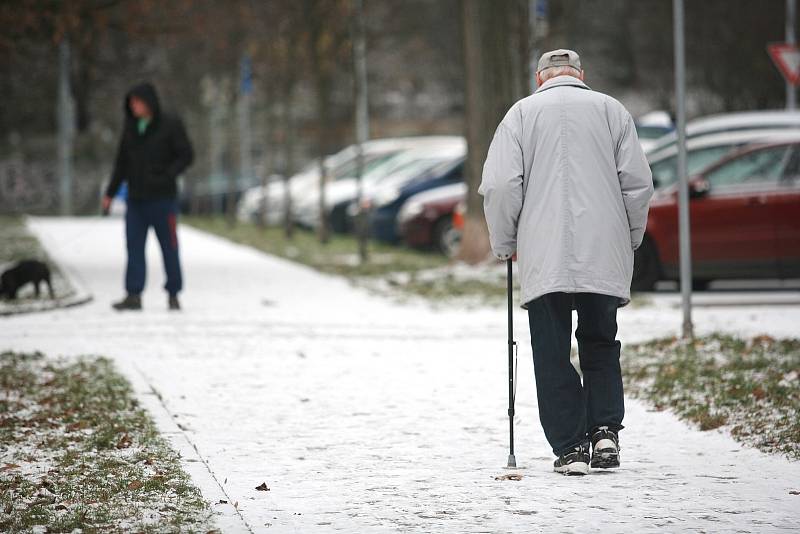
pixel 512 462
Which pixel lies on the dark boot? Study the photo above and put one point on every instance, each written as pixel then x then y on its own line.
pixel 605 448
pixel 573 462
pixel 131 302
pixel 174 304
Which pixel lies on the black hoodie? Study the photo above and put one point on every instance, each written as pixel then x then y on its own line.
pixel 150 162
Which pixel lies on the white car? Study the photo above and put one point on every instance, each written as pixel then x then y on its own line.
pixel 730 122
pixel 338 165
pixel 651 127
pixel 342 191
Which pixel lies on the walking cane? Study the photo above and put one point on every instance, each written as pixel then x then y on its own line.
pixel 512 461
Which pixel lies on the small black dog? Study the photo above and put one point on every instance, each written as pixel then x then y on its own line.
pixel 24 272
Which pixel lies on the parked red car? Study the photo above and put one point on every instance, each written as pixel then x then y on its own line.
pixel 745 221
pixel 426 219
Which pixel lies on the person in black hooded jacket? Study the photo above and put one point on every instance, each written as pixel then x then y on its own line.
pixel 153 152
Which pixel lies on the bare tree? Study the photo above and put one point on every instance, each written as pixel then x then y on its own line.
pixel 492 77
pixel 326 47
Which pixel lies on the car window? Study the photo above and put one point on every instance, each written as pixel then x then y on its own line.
pixel 760 166
pixel 665 172
pixel 414 169
pixel 791 173
pixel 350 168
pixel 651 132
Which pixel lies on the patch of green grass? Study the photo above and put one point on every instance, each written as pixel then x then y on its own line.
pixel 446 287
pixel 16 243
pixel 79 453
pixel 751 386
pixel 338 256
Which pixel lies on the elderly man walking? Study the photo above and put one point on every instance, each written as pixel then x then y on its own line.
pixel 566 188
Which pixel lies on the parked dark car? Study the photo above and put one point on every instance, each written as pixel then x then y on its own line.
pixel 426 219
pixel 745 221
pixel 386 203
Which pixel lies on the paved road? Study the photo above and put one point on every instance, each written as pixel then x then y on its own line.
pixel 363 415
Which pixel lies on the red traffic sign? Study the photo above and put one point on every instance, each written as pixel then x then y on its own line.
pixel 787 58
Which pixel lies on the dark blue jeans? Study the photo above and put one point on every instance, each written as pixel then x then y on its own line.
pixel 161 214
pixel 568 409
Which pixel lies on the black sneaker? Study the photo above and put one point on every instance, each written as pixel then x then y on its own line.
pixel 173 303
pixel 574 462
pixel 605 448
pixel 131 302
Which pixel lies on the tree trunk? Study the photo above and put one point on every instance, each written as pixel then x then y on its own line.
pixel 268 160
pixel 323 125
pixel 361 116
pixel 492 85
pixel 322 85
pixel 288 158
pixel 288 133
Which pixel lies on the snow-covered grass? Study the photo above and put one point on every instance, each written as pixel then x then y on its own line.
pixel 750 386
pixel 77 452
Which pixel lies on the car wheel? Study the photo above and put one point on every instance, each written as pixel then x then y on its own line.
pixel 646 267
pixel 446 237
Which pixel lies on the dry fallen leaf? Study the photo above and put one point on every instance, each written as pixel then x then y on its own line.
pixel 262 487
pixel 512 476
pixel 124 441
pixel 8 466
pixel 135 485
pixel 72 427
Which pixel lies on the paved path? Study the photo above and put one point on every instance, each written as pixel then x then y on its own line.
pixel 363 415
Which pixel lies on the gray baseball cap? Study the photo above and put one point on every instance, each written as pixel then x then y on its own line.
pixel 559 58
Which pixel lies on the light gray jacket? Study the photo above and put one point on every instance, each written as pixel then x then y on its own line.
pixel 567 187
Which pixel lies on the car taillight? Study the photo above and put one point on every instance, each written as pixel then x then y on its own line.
pixel 458 216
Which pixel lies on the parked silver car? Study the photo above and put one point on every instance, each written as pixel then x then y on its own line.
pixel 339 165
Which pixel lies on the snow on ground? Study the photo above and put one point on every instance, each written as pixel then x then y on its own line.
pixel 362 415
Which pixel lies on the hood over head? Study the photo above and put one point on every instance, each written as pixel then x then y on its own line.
pixel 147 92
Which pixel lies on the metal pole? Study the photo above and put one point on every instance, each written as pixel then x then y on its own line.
pixel 66 128
pixel 683 185
pixel 512 461
pixel 532 59
pixel 791 38
pixel 362 120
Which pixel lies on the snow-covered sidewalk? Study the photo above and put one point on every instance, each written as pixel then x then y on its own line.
pixel 362 415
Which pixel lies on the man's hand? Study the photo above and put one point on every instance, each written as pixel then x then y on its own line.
pixel 106 204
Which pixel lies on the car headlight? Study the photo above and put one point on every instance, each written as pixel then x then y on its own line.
pixel 410 210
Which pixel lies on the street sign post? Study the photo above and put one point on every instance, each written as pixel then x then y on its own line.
pixel 683 181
